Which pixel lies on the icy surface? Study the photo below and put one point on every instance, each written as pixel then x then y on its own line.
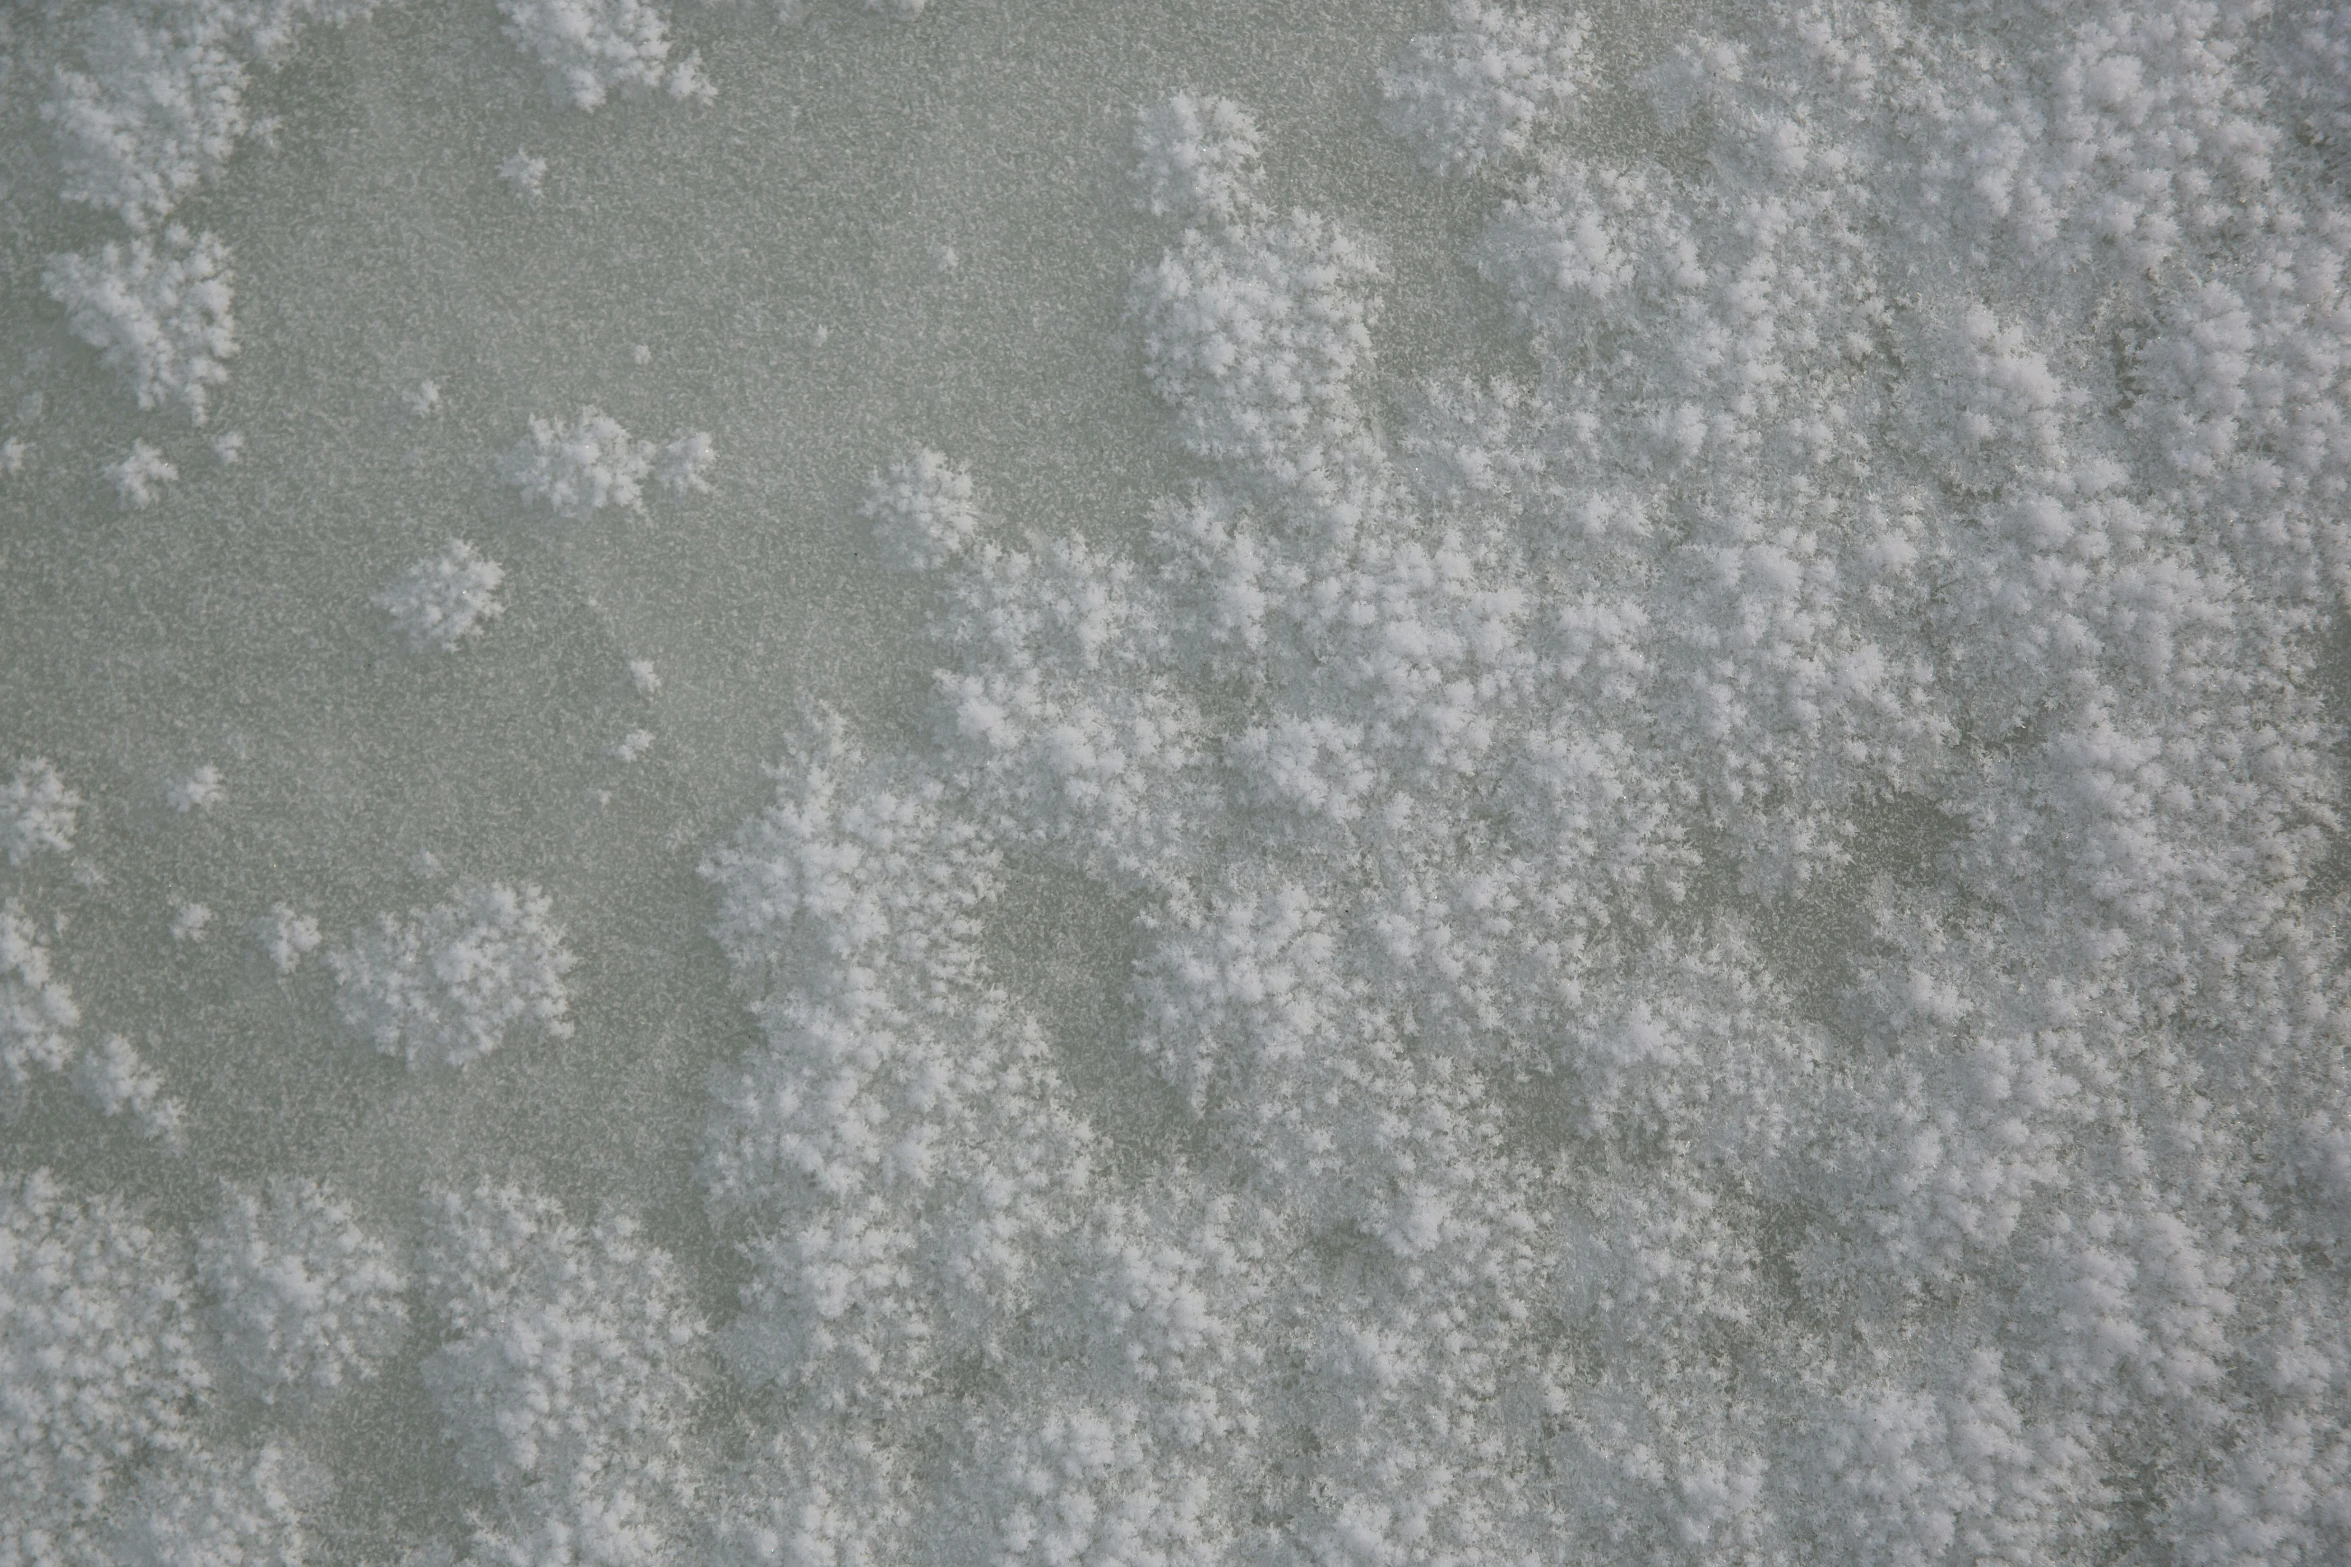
pixel 1324 786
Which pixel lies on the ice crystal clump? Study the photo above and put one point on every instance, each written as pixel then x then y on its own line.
pixel 189 921
pixel 581 467
pixel 921 510
pixel 37 1011
pixel 136 477
pixel 525 175
pixel 443 986
pixel 440 601
pixel 201 790
pixel 1477 94
pixel 221 1506
pixel 36 812
pixel 683 466
pixel 99 1361
pixel 1481 790
pixel 563 1381
pixel 1198 159
pixel 113 1080
pixel 154 114
pixel 286 937
pixel 589 48
pixel 304 1301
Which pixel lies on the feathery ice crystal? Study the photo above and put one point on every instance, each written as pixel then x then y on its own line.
pixel 563 1380
pixel 440 601
pixel 286 937
pixel 303 1299
pixel 158 314
pixel 443 986
pixel 36 812
pixel 581 467
pixel 589 48
pixel 921 510
pixel 1475 95
pixel 135 477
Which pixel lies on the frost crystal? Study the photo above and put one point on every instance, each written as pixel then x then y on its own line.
pixel 155 114
pixel 632 746
pixel 921 511
pixel 36 812
pixel 1196 159
pixel 98 1356
pixel 563 1382
pixel 439 602
pixel 189 921
pixel 159 314
pixel 200 791
pixel 443 986
pixel 136 476
pixel 37 1013
pixel 643 676
pixel 684 464
pixel 527 176
pixel 1477 94
pixel 581 467
pixel 591 47
pixel 12 456
pixel 286 937
pixel 195 1510
pixel 112 1079
pixel 303 1299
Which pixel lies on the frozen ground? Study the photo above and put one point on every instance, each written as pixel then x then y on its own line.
pixel 1007 782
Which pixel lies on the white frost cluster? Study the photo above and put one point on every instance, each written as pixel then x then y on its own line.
pixel 525 175
pixel 443 986
pixel 921 511
pixel 135 477
pixel 563 1381
pixel 113 1080
pixel 37 1011
pixel 589 48
pixel 1197 159
pixel 189 921
pixel 223 1505
pixel 36 812
pixel 98 1359
pixel 201 790
pixel 581 467
pixel 442 600
pixel 683 466
pixel 1478 94
pixel 286 937
pixel 1753 900
pixel 304 1301
pixel 159 314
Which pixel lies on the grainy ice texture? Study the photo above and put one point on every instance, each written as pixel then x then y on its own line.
pixel 1366 784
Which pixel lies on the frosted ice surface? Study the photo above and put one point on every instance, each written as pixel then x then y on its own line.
pixel 1361 782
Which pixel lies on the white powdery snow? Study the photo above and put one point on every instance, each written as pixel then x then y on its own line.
pixel 159 314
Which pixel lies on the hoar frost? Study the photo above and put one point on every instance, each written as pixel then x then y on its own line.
pixel 1472 787
pixel 445 985
pixel 439 602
